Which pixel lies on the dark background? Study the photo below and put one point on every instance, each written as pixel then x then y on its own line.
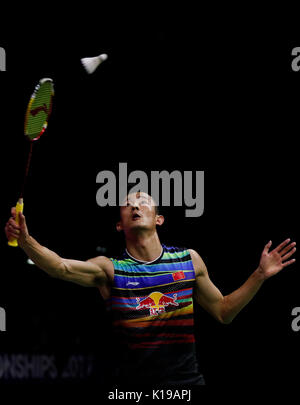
pixel 176 93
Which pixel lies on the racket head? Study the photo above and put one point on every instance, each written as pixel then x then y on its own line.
pixel 39 109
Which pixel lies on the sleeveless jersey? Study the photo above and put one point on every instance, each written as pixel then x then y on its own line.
pixel 151 306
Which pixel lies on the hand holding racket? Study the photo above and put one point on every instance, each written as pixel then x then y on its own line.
pixel 16 230
pixel 36 121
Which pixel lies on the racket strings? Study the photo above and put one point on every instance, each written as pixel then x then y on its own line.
pixel 37 114
pixel 38 111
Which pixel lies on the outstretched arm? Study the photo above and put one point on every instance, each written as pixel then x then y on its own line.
pixel 225 308
pixel 90 273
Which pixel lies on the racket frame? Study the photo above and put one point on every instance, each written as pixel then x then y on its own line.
pixel 32 98
pixel 32 138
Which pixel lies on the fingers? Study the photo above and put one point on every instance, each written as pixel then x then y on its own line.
pixel 291 252
pixel 12 224
pixel 13 212
pixel 21 219
pixel 11 231
pixel 282 245
pixel 267 247
pixel 288 263
pixel 13 235
pixel 287 248
pixel 12 221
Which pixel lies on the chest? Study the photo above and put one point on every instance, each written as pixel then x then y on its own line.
pixel 149 277
pixel 160 289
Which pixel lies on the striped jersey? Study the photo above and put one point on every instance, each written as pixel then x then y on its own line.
pixel 151 307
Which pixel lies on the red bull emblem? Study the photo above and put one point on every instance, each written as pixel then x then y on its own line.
pixel 156 302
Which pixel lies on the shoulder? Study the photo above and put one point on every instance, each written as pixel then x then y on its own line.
pixel 199 265
pixel 172 249
pixel 175 250
pixel 105 264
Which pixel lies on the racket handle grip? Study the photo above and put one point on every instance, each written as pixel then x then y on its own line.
pixel 19 208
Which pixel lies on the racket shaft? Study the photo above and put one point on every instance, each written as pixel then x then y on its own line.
pixel 19 208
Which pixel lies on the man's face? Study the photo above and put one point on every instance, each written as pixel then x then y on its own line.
pixel 138 213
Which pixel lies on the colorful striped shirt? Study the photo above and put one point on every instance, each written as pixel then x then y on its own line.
pixel 151 305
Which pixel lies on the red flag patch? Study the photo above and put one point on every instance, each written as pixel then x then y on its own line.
pixel 178 275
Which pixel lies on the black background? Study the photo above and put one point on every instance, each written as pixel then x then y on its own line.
pixel 178 92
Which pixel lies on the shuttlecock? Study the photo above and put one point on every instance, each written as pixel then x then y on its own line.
pixel 91 64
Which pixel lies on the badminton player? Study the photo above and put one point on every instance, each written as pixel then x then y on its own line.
pixel 149 292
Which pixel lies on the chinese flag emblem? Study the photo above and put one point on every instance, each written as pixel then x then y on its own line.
pixel 178 275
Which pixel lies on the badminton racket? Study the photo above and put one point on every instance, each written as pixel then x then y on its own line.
pixel 36 121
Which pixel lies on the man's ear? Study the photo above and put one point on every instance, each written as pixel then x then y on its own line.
pixel 119 226
pixel 160 219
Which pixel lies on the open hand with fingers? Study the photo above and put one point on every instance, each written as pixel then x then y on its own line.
pixel 273 262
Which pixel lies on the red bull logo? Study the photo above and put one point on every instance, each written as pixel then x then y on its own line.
pixel 156 302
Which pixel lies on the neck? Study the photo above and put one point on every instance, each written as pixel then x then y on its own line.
pixel 145 248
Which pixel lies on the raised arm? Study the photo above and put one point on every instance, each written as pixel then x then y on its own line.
pixel 225 308
pixel 91 273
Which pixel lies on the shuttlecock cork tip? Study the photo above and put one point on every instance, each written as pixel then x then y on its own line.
pixel 103 56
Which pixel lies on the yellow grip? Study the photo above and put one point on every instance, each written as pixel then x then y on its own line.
pixel 19 208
